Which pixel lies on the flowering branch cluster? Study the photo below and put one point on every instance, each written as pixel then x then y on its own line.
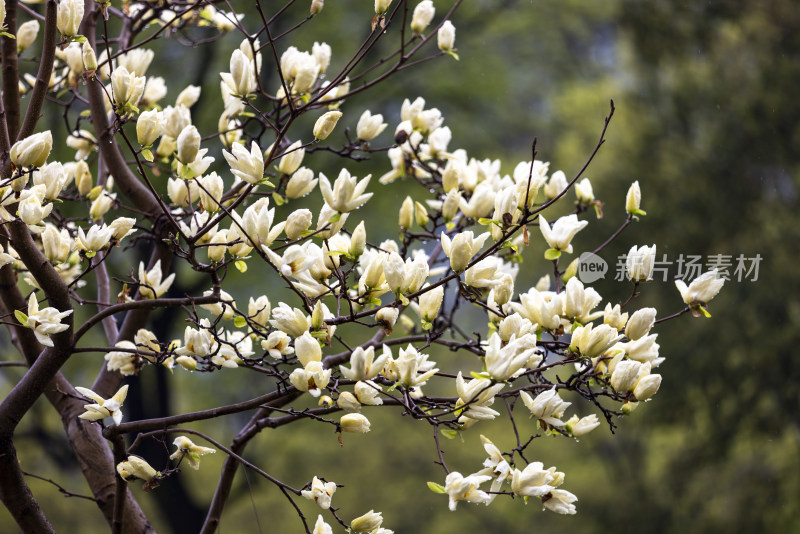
pixel 462 238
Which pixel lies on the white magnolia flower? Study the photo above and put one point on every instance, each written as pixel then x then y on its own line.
pixel 320 492
pixel 363 365
pixel 187 450
pixel 135 467
pixel 462 248
pixel 370 126
pixel 702 289
pixel 639 263
pixel 562 232
pixel 249 166
pixel 347 193
pixel 44 322
pixel 152 283
pixel 103 408
pixel 579 427
pixel 547 406
pixel 461 488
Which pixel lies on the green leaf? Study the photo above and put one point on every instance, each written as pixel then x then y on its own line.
pixel 279 200
pixel 6 34
pixel 449 226
pixel 484 221
pixel 90 254
pixel 241 266
pixel 436 488
pixel 335 218
pixel 426 325
pixel 21 317
pixel 704 312
pixel 473 374
pixel 393 387
pixel 79 39
pixel 449 433
pixel 552 254
pixel 239 321
pixel 403 300
pixel 146 154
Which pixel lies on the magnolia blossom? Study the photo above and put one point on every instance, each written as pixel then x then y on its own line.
pixel 33 150
pixel 370 126
pixel 533 481
pixel 136 467
pixel 579 427
pixel 562 232
pixel 639 263
pixel 476 396
pixel 462 247
pixel 124 362
pixel 355 423
pixel 325 124
pixel 423 15
pixel 547 406
pixel 446 37
pixel 347 193
pixel 409 364
pixel 69 17
pixel 633 199
pixel 363 365
pixel 592 340
pixel 186 449
pixel 152 283
pixel 504 361
pixel 249 166
pixel 560 502
pixel 702 289
pixel 44 322
pixel 103 408
pixel 320 492
pixel 461 488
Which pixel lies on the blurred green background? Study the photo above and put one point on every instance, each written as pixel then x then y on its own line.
pixel 708 120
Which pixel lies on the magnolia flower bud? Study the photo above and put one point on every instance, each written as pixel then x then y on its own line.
pixel 371 520
pixel 122 227
pixel 242 79
pixel 57 244
pixel 420 214
pixel 83 178
pixel 33 150
pixel 26 35
pixel 188 96
pixel 149 127
pixel 451 176
pixel 579 427
pixel 348 401
pixel 358 241
pixel 370 126
pixel 382 6
pixel 430 302
pixel 69 17
pixel 301 183
pixel 216 249
pixel 640 323
pixel 292 159
pixel 126 87
pixel 386 317
pixel 101 205
pixel 633 199
pixel 647 386
pixel 89 57
pixel 355 423
pixel 325 124
pixel 423 15
pixel 406 217
pixel 188 145
pixel 584 192
pixel 258 310
pixel 446 37
pixel 627 373
pixel 297 223
pixel 187 362
pixel 640 262
pixel 316 6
